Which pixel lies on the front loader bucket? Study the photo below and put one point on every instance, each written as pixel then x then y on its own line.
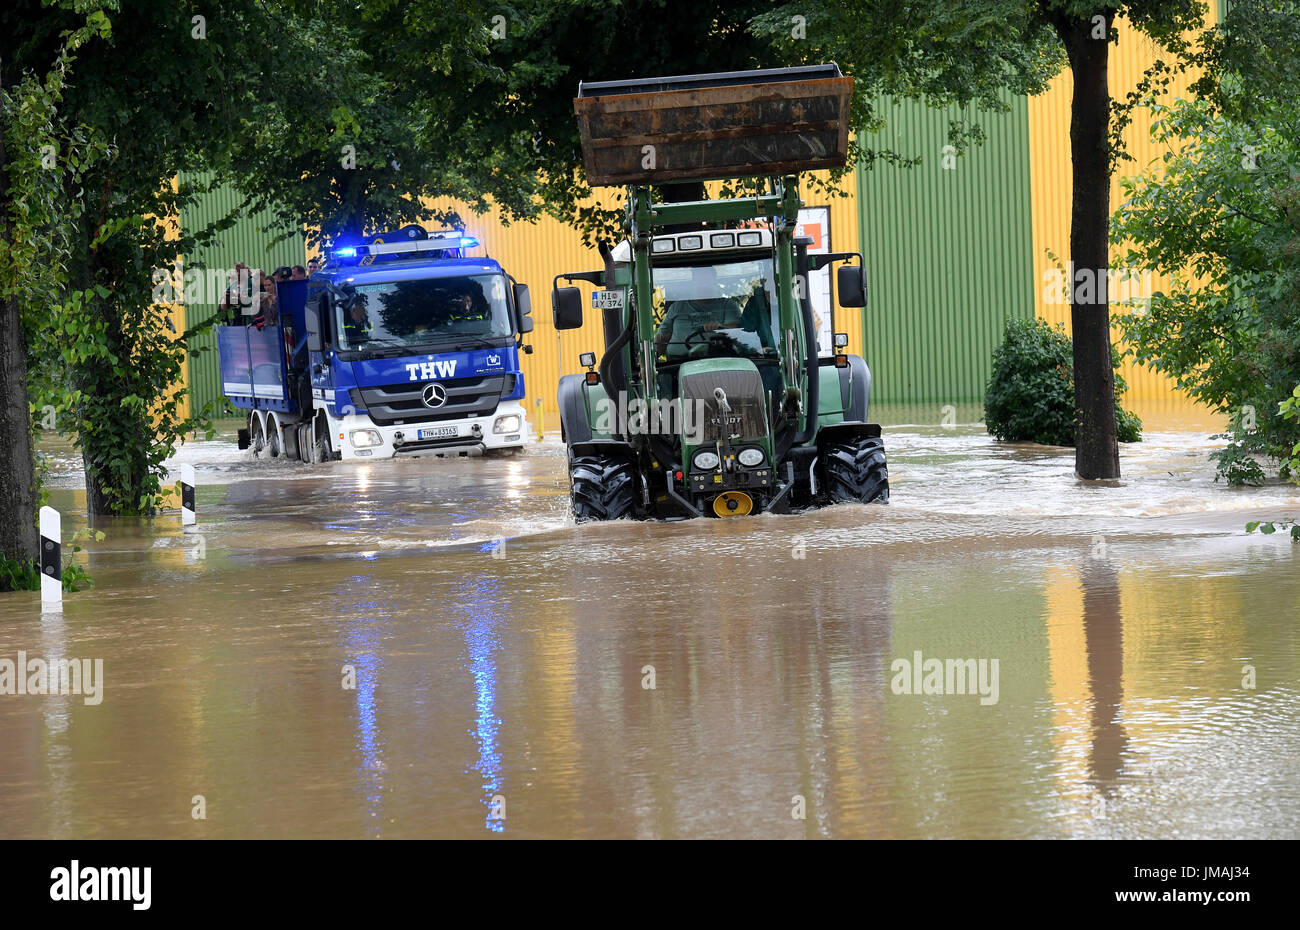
pixel 714 126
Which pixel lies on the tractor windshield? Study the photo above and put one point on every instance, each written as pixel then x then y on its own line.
pixel 723 309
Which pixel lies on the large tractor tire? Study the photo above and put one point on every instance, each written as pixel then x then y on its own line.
pixel 855 471
pixel 601 488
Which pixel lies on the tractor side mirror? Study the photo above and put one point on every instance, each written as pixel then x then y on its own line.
pixel 852 286
pixel 311 313
pixel 523 309
pixel 566 304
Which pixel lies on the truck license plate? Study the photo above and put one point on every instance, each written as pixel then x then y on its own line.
pixel 439 432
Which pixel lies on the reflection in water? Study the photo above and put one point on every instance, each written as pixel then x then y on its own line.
pixel 771 640
pixel 1104 640
pixel 362 650
pixel 483 641
pixel 56 712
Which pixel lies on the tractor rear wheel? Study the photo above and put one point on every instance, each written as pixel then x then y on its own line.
pixel 601 488
pixel 855 471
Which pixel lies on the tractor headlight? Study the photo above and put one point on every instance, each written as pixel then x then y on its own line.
pixel 750 457
pixel 506 424
pixel 705 460
pixel 366 438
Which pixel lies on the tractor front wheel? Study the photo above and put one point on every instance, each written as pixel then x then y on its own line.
pixel 855 471
pixel 601 488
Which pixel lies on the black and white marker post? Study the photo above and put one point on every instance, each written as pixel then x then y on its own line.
pixel 51 557
pixel 188 517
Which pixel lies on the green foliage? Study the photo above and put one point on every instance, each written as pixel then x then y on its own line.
pixel 1290 411
pixel 1030 395
pixel 1221 216
pixel 25 574
pixel 103 350
pixel 19 575
pixel 1269 527
pixel 43 156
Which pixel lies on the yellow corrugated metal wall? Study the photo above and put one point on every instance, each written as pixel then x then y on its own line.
pixel 176 311
pixel 534 253
pixel 1049 156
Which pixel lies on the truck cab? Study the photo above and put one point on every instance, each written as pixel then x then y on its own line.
pixel 401 345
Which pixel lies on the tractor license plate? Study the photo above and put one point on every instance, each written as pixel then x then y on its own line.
pixel 439 432
pixel 607 300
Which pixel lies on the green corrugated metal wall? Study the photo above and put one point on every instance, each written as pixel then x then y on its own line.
pixel 246 241
pixel 948 253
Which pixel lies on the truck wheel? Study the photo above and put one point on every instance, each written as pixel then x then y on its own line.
pixel 855 471
pixel 256 439
pixel 272 438
pixel 322 451
pixel 601 488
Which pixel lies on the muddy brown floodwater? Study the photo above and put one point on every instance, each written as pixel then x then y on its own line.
pixel 692 679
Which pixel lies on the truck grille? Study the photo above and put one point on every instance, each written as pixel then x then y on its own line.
pixel 404 403
pixel 744 394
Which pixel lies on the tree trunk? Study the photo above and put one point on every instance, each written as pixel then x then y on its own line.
pixel 17 473
pixel 1096 453
pixel 18 536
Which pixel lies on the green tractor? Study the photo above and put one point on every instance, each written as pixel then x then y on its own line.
pixel 711 397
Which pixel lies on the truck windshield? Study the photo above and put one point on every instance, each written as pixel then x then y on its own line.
pixel 422 312
pixel 720 309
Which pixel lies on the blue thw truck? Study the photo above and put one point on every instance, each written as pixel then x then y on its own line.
pixel 399 345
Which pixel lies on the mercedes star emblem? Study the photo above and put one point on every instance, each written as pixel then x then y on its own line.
pixel 435 395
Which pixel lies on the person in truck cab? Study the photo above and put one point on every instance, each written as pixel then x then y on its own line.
pixel 356 324
pixel 464 307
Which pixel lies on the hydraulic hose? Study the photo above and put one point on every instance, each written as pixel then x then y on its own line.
pixel 814 372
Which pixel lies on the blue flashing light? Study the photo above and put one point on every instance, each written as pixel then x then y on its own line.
pixel 468 242
pixel 348 251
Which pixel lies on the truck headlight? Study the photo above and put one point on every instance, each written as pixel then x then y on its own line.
pixel 506 424
pixel 705 460
pixel 365 438
pixel 750 457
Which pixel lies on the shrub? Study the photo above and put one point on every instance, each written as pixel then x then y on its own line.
pixel 1030 395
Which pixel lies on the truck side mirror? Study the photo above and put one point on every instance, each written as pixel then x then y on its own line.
pixel 566 305
pixel 852 286
pixel 311 314
pixel 523 309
